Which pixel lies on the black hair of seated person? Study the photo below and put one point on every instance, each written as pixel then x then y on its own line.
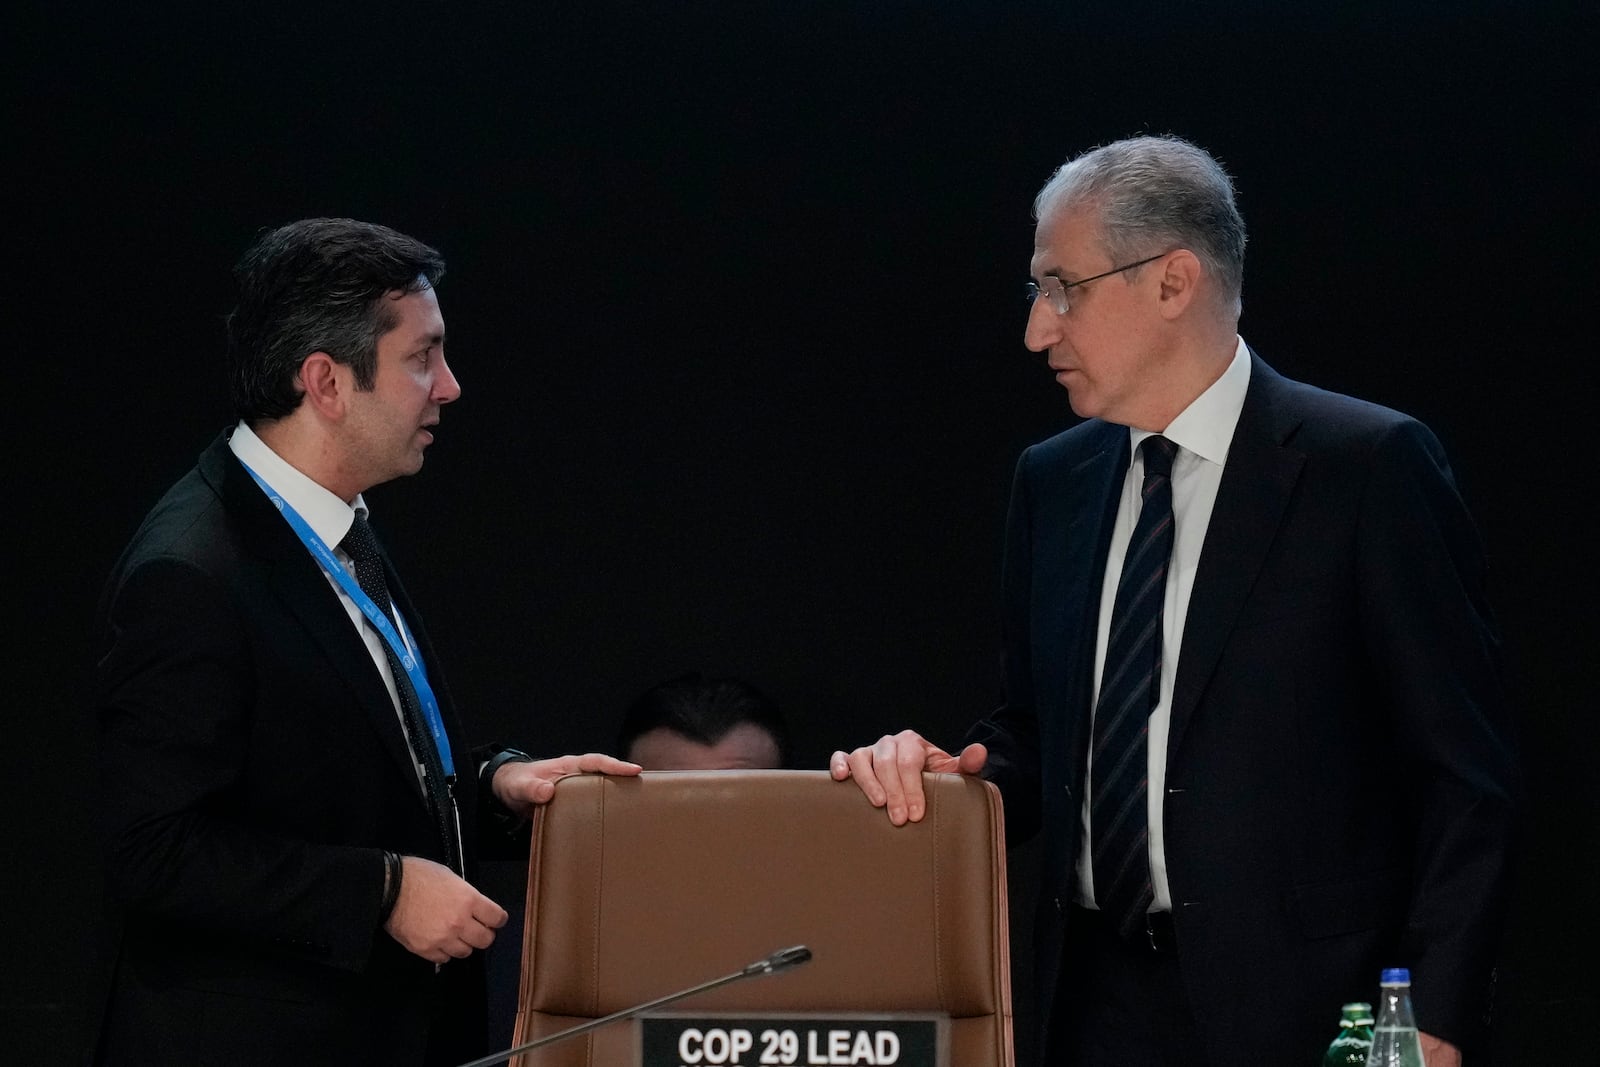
pixel 704 710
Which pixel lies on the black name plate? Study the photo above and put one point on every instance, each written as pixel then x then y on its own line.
pixel 845 1040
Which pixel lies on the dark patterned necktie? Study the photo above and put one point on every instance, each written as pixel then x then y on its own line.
pixel 1129 691
pixel 362 547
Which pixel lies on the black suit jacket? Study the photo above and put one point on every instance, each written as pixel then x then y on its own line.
pixel 254 769
pixel 1340 780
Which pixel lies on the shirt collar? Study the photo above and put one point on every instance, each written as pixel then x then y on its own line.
pixel 328 516
pixel 1206 426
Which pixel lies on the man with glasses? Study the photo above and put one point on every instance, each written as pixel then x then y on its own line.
pixel 1252 689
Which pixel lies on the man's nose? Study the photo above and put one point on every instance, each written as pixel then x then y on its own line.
pixel 1044 326
pixel 445 386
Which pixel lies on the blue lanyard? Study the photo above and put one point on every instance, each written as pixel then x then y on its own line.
pixel 376 616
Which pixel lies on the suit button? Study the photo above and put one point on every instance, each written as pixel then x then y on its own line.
pixel 1057 902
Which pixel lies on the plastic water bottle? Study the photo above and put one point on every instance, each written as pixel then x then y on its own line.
pixel 1350 1048
pixel 1395 1042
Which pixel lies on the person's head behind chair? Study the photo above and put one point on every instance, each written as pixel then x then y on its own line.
pixel 697 723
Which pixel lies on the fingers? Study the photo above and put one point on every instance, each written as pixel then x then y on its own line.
pixel 908 754
pixel 886 766
pixel 524 786
pixel 488 913
pixel 972 759
pixel 588 763
pixel 553 770
pixel 439 916
pixel 600 763
pixel 475 931
pixel 889 773
pixel 474 938
pixel 859 767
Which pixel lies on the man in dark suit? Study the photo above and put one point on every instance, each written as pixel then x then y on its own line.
pixel 292 815
pixel 1252 691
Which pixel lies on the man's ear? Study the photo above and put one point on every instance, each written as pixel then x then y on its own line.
pixel 324 385
pixel 1180 279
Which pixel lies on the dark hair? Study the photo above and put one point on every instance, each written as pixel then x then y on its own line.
pixel 703 710
pixel 1154 194
pixel 316 285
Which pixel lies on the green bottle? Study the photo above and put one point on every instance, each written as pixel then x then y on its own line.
pixel 1350 1048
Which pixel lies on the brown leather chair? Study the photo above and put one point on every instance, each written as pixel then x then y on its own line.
pixel 640 887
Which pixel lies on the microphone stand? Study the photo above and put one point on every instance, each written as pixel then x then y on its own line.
pixel 781 960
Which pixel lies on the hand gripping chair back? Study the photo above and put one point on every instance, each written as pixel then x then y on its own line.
pixel 640 887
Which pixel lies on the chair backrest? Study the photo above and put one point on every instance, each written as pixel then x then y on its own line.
pixel 638 887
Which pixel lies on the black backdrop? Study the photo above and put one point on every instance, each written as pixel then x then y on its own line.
pixel 735 298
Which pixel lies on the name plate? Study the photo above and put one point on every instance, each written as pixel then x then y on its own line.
pixel 799 1040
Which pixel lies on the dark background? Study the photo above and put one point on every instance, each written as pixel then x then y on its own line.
pixel 734 295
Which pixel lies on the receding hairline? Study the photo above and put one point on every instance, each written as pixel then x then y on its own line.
pixel 1149 194
pixel 1090 219
pixel 388 320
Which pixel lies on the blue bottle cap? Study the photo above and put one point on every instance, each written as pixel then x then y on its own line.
pixel 1396 976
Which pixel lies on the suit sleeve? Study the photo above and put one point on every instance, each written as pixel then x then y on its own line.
pixel 1011 732
pixel 502 833
pixel 174 710
pixel 1429 629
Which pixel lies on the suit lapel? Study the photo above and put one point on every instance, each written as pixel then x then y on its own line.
pixel 1085 506
pixel 303 589
pixel 1257 482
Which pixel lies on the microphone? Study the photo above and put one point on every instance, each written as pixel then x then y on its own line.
pixel 781 960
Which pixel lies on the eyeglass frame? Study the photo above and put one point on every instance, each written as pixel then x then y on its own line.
pixel 1057 294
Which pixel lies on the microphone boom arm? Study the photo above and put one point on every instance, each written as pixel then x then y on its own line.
pixel 781 960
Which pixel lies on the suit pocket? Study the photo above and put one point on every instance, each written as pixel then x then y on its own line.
pixel 1350 905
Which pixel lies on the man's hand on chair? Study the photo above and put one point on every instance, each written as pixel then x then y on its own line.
pixel 890 772
pixel 522 787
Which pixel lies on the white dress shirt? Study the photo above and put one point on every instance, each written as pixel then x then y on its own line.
pixel 1202 431
pixel 330 518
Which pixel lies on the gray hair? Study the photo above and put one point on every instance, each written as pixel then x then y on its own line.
pixel 1152 195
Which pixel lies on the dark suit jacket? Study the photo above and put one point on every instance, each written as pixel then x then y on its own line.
pixel 253 770
pixel 1340 780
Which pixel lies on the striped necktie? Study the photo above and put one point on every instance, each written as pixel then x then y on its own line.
pixel 1129 691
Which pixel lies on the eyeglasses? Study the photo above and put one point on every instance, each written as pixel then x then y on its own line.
pixel 1055 290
